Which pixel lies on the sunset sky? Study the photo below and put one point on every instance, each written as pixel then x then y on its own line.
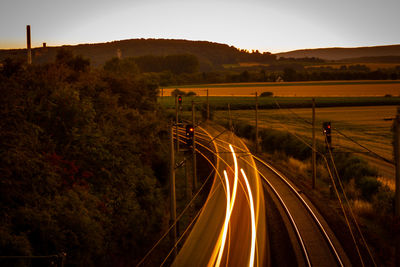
pixel 266 25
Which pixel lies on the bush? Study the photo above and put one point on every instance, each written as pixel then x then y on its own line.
pixel 177 92
pixel 266 94
pixel 369 186
pixel 383 201
pixel 274 140
pixel 191 93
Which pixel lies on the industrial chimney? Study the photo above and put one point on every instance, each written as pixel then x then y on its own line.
pixel 28 43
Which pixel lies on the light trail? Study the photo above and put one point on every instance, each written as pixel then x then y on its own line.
pixel 253 220
pixel 221 240
pixel 220 250
pixel 252 212
pixel 227 217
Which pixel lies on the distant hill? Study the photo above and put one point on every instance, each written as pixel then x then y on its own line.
pixel 210 55
pixel 344 53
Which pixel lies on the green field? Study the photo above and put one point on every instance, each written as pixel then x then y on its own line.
pixel 245 103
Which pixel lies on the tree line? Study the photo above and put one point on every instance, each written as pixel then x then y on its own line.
pixel 82 163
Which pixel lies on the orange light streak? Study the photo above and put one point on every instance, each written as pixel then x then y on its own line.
pixel 253 220
pixel 220 245
pixel 227 218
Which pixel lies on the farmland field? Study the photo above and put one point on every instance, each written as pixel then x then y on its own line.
pixel 365 125
pixel 299 89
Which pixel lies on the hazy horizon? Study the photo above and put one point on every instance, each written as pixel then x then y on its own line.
pixel 270 26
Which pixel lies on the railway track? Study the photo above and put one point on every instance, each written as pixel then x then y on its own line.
pixel 312 240
pixel 315 244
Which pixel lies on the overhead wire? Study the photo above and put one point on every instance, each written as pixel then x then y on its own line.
pixel 334 184
pixel 350 209
pixel 342 134
pixel 335 188
pixel 364 147
pixel 340 182
pixel 177 219
pixel 337 194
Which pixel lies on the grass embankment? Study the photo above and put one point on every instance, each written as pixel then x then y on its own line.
pixel 370 200
pixel 245 103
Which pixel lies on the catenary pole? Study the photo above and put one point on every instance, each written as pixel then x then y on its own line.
pixel 194 186
pixel 314 155
pixel 172 190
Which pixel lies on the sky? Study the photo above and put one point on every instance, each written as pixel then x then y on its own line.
pixel 264 25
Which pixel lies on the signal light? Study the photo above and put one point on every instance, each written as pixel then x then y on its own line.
pixel 327 132
pixel 179 99
pixel 189 131
pixel 189 134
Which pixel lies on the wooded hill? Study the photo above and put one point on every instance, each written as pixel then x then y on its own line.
pixel 338 53
pixel 210 55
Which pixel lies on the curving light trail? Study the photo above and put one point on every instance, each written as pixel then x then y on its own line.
pixel 229 207
pixel 226 223
pixel 253 220
pixel 239 200
pixel 230 204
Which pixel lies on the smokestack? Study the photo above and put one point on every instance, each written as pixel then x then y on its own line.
pixel 28 43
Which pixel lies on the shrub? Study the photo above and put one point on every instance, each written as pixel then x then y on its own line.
pixel 368 185
pixel 177 92
pixel 191 93
pixel 383 201
pixel 266 94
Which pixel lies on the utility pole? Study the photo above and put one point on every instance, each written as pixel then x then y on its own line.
pixel 397 161
pixel 28 44
pixel 230 117
pixel 172 190
pixel 194 186
pixel 397 192
pixel 176 123
pixel 256 123
pixel 314 155
pixel 187 183
pixel 208 108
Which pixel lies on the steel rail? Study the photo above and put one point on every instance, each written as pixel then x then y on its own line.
pixel 291 219
pixel 308 208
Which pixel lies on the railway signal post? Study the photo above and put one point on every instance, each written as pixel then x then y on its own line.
pixel 172 191
pixel 194 148
pixel 256 123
